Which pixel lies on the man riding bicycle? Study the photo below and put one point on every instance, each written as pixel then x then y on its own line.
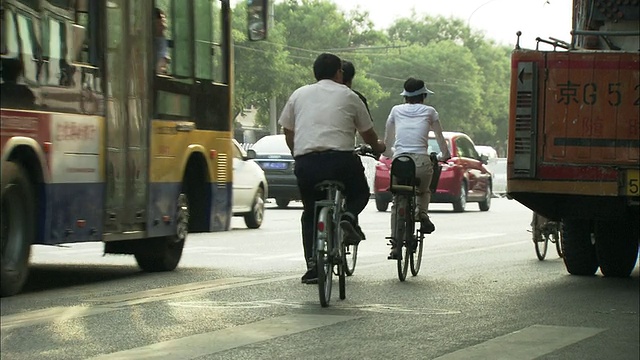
pixel 320 121
pixel 407 132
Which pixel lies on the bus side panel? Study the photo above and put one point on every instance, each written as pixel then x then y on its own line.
pixel 76 191
pixel 171 150
pixel 20 130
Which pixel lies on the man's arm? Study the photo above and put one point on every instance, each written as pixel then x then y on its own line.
pixel 288 135
pixel 370 137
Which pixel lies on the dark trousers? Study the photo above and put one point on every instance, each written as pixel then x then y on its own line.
pixel 311 169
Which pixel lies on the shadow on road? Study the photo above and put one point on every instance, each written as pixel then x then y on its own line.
pixel 54 276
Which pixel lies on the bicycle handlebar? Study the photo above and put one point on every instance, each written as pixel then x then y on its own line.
pixel 366 150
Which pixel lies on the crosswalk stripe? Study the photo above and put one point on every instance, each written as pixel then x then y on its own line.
pixel 526 344
pixel 194 346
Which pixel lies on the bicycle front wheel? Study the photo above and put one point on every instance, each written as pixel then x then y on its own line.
pixel 324 263
pixel 349 258
pixel 416 254
pixel 540 241
pixel 557 236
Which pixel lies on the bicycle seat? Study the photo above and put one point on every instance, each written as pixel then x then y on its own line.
pixel 326 184
pixel 403 174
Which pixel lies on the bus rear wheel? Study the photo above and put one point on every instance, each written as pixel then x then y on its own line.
pixel 164 253
pixel 17 227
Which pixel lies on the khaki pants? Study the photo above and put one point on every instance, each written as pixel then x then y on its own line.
pixel 424 171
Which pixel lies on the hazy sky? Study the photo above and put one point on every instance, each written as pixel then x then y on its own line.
pixel 498 19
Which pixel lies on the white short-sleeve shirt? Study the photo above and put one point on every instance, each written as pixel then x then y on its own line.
pixel 408 126
pixel 324 116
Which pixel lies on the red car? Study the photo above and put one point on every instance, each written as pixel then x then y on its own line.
pixel 464 177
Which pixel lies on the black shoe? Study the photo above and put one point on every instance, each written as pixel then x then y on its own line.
pixel 395 254
pixel 310 277
pixel 352 232
pixel 426 226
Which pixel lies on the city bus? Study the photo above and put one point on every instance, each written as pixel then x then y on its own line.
pixel 116 126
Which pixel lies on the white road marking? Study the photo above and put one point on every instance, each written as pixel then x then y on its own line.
pixel 477 236
pixel 194 346
pixel 526 344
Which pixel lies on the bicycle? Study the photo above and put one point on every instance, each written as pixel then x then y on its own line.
pixel 405 233
pixel 544 230
pixel 329 249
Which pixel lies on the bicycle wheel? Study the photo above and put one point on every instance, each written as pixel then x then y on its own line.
pixel 416 254
pixel 340 261
pixel 402 231
pixel 349 258
pixel 557 236
pixel 539 240
pixel 324 244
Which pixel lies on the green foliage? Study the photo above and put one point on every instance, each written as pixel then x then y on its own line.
pixel 468 73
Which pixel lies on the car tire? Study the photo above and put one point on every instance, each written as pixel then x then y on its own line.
pixel 460 203
pixel 485 204
pixel 282 202
pixel 253 219
pixel 381 204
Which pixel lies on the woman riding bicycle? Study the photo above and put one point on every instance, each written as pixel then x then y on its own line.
pixel 407 132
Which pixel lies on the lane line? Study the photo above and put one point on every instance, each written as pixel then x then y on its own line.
pixel 526 344
pixel 194 346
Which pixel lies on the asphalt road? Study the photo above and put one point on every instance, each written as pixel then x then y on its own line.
pixel 481 294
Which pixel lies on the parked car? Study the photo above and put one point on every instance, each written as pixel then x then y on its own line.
pixel 464 178
pixel 274 157
pixel 250 187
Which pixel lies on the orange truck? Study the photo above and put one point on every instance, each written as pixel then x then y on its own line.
pixel 574 122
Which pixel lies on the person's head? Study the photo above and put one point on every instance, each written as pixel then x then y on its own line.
pixel 414 91
pixel 159 22
pixel 328 67
pixel 11 69
pixel 348 72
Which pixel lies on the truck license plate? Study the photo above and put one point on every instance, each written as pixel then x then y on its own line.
pixel 633 182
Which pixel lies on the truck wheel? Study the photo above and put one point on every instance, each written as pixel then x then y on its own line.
pixel 461 202
pixel 253 219
pixel 616 248
pixel 164 253
pixel 381 204
pixel 579 253
pixel 17 227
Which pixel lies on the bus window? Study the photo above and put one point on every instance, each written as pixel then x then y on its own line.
pixel 204 39
pixel 162 58
pixel 10 46
pixel 59 71
pixel 31 50
pixel 182 61
pixel 219 73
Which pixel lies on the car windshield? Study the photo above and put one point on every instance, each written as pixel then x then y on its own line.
pixel 271 144
pixel 434 147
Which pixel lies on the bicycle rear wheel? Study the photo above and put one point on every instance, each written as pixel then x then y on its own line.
pixel 539 240
pixel 557 237
pixel 416 254
pixel 340 261
pixel 401 233
pixel 349 258
pixel 324 246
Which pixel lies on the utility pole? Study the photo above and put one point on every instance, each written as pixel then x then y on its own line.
pixel 273 121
